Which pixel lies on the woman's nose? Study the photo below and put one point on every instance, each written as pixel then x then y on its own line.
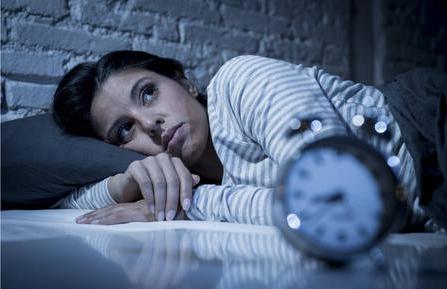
pixel 153 127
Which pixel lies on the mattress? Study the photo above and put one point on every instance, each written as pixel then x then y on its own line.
pixel 47 249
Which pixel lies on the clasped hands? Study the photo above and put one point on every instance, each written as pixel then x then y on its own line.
pixel 150 189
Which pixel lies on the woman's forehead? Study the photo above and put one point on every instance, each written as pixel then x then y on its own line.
pixel 119 84
pixel 130 73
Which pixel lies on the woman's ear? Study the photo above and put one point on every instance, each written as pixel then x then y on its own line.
pixel 193 90
pixel 188 85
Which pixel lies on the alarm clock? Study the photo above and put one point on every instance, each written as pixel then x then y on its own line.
pixel 338 198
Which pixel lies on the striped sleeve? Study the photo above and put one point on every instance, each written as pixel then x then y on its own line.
pixel 252 101
pixel 352 98
pixel 232 203
pixel 265 95
pixel 93 196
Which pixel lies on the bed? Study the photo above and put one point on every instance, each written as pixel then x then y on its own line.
pixel 47 249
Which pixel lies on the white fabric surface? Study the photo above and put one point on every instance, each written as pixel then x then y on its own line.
pixel 41 224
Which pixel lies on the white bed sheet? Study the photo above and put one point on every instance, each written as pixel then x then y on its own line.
pixel 37 224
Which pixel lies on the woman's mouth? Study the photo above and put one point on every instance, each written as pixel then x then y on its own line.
pixel 175 143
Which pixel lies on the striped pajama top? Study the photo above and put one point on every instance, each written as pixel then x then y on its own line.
pixel 251 102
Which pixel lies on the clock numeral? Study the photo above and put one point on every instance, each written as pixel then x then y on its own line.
pixel 362 230
pixel 320 230
pixel 318 158
pixel 377 215
pixel 341 236
pixel 297 194
pixel 303 174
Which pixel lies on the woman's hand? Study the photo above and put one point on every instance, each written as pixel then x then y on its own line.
pixel 122 213
pixel 161 179
pixel 117 214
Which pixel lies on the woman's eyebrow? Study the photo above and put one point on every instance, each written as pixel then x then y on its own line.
pixel 136 87
pixel 134 93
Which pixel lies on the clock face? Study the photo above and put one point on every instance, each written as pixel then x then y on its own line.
pixel 332 200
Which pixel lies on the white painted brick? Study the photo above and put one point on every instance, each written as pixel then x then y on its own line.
pixel 67 39
pixel 31 95
pixel 192 8
pixel 183 53
pixel 32 66
pixel 56 8
pixel 222 38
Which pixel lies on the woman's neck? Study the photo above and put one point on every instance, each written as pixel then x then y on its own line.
pixel 209 165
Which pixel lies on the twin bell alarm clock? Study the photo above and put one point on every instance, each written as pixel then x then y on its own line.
pixel 339 196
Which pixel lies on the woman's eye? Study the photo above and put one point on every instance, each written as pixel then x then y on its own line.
pixel 124 133
pixel 148 94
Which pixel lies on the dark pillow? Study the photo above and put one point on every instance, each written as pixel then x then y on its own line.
pixel 40 164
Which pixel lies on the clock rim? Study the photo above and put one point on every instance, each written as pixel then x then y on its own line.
pixel 390 220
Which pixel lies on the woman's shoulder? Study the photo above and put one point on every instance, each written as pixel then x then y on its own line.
pixel 241 68
pixel 243 59
pixel 248 62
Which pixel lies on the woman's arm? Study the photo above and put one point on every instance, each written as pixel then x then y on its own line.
pixel 162 180
pixel 92 196
pixel 262 96
pixel 232 203
pixel 239 204
pixel 254 100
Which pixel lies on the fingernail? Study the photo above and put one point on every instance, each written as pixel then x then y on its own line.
pixel 160 216
pixel 186 204
pixel 152 209
pixel 170 215
pixel 196 179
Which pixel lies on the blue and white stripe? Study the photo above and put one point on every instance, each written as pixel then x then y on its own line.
pixel 251 101
pixel 94 196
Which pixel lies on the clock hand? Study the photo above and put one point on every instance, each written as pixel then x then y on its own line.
pixel 328 198
pixel 320 209
pixel 323 203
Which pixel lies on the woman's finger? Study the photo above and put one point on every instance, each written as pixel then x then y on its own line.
pixel 158 185
pixel 117 214
pixel 89 217
pixel 141 176
pixel 172 184
pixel 186 183
pixel 104 216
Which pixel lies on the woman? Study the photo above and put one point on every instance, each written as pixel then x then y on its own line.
pixel 238 141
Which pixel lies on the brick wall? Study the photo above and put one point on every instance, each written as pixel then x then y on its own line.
pixel 41 40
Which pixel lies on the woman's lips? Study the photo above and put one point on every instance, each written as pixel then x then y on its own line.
pixel 176 141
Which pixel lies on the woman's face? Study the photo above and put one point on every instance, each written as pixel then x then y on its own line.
pixel 149 113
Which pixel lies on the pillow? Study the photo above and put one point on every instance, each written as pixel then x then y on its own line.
pixel 40 164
